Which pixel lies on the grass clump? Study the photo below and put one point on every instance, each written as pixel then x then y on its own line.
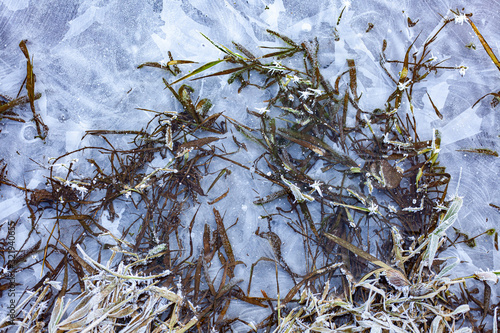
pixel 378 176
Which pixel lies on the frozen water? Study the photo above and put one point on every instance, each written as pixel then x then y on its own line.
pixel 85 55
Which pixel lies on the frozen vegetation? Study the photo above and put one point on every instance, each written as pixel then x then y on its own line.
pixel 339 172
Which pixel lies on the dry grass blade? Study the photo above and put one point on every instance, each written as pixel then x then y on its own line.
pixel 354 249
pixel 304 143
pixel 318 146
pixel 197 144
pixel 495 101
pixel 484 151
pixel 283 38
pixel 288 298
pixel 224 72
pixel 219 198
pixel 168 63
pixel 30 87
pixel 435 108
pixel 352 78
pixel 30 77
pixel 82 262
pixel 18 101
pixel 223 172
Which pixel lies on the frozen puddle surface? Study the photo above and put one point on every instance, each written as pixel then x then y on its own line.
pixel 312 182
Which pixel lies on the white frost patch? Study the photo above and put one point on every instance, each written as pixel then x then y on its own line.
pixel 306 27
pixel 15 4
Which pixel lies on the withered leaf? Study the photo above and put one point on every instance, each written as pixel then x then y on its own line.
pixel 387 172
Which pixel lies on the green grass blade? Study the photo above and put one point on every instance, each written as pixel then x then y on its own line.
pixel 199 70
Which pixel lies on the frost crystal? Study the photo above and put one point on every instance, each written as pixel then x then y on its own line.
pixel 346 4
pixel 157 249
pixel 487 276
pixel 404 85
pixel 262 110
pixel 74 186
pixel 305 94
pixel 299 196
pixel 317 92
pixel 373 208
pixel 276 67
pixel 462 70
pixel 80 189
pixel 56 284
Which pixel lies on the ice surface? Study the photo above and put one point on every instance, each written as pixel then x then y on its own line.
pixel 466 124
pixel 10 206
pixel 86 53
pixel 81 23
pixel 16 5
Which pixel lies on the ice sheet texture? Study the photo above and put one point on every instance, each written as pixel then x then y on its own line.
pixel 85 55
